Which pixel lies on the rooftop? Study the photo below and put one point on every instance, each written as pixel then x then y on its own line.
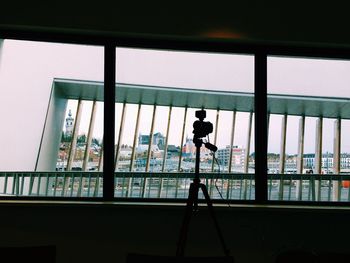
pixel 313 106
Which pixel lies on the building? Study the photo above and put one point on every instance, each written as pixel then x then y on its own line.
pixel 189 150
pixel 327 161
pixel 238 156
pixel 69 124
pixel 158 139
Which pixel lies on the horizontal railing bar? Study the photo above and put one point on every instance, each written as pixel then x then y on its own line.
pixel 174 175
pixel 334 177
pixel 170 175
pixel 136 175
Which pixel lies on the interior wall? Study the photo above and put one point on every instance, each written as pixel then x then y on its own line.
pixel 106 233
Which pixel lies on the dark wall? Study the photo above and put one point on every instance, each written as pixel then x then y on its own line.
pixel 307 21
pixel 106 233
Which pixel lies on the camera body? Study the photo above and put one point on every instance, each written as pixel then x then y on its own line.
pixel 202 128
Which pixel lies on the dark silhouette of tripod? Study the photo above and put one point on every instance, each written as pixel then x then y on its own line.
pixel 192 205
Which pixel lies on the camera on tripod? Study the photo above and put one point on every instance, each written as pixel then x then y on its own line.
pixel 202 128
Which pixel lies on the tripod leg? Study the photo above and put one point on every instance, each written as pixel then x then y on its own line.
pixel 212 214
pixel 186 221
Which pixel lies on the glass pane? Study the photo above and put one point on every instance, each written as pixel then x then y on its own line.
pixel 54 146
pixel 307 154
pixel 179 84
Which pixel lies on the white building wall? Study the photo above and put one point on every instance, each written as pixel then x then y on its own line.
pixel 51 136
pixel 26 76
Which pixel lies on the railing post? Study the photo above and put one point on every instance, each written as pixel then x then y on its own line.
pixel 230 181
pixel 120 136
pixel 165 151
pixel 55 183
pixel 47 184
pixel 246 157
pixel 100 161
pixel 31 183
pixel 88 143
pixel 166 139
pixel 282 154
pixel 135 138
pixel 73 143
pixel 215 137
pixel 336 159
pixel 213 159
pixel 5 183
pixel 318 157
pixel 182 138
pixel 150 142
pixel 299 186
pixel 149 152
pixel 181 147
pixel 232 140
pixel 131 167
pixel 89 137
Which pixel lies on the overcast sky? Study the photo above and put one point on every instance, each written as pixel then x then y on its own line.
pixel 28 68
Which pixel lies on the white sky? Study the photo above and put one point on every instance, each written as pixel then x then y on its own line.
pixel 28 68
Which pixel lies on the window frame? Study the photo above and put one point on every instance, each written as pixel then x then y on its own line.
pixel 260 51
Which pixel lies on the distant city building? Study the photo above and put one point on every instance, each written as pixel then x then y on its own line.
pixel 125 152
pixel 309 163
pixel 69 124
pixel 238 156
pixel 327 160
pixel 142 150
pixel 143 139
pixel 172 151
pixel 158 139
pixel 189 150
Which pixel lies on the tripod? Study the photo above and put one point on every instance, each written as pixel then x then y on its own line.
pixel 192 205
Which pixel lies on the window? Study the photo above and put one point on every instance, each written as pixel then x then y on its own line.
pixel 48 119
pixel 307 102
pixel 65 138
pixel 157 95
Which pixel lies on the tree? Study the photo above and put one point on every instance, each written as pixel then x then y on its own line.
pixel 96 141
pixel 65 137
pixel 81 138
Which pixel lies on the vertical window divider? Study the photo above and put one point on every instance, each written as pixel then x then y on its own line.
pixel 260 121
pixel 109 120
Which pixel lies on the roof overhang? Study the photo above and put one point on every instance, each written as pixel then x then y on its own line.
pixel 312 106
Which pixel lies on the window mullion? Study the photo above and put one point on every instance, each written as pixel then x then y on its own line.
pixel 261 132
pixel 109 121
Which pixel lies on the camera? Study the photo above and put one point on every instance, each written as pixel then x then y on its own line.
pixel 201 114
pixel 202 128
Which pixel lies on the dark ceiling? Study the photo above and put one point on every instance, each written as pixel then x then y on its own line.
pixel 316 22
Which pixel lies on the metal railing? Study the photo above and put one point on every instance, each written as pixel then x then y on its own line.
pixel 309 187
pixel 228 186
pixel 53 184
